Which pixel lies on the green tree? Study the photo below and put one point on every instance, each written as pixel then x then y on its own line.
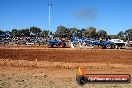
pixel 15 33
pixel 74 30
pixel 35 30
pixel 102 33
pixel 44 33
pixel 67 32
pixel 25 32
pixel 83 31
pixel 90 32
pixel 128 34
pixel 120 34
pixel 61 31
pixel 1 32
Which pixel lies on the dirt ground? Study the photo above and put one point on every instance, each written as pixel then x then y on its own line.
pixel 41 67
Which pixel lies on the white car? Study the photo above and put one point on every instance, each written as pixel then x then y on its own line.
pixel 118 42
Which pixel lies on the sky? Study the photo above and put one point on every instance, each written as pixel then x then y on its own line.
pixel 112 16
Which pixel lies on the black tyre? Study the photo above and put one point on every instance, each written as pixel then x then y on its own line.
pixel 108 46
pixel 52 45
pixel 81 80
pixel 103 47
pixel 113 46
pixel 116 46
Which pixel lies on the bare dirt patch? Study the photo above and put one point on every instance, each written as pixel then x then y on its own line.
pixel 35 67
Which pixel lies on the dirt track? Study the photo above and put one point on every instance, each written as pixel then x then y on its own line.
pixel 46 68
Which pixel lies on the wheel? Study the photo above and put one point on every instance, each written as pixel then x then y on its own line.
pixel 116 46
pixel 60 44
pixel 81 80
pixel 108 46
pixel 52 45
pixel 103 47
pixel 113 46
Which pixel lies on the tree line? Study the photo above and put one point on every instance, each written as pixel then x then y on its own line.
pixel 63 31
pixel 91 32
pixel 27 32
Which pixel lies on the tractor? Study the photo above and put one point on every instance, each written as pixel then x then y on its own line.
pixel 107 45
pixel 56 44
pixel 103 44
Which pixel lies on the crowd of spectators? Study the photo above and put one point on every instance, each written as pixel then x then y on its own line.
pixel 24 41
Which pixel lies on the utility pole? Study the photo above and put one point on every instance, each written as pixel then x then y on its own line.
pixel 49 5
